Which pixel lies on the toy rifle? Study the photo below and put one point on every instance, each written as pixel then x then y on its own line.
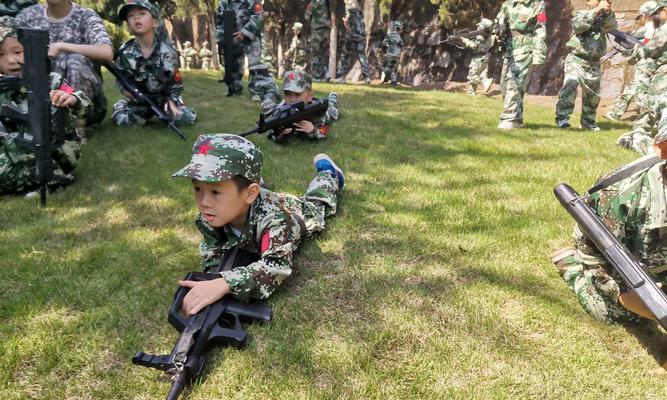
pixel 141 98
pixel 625 41
pixel 631 270
pixel 287 115
pixel 230 50
pixel 35 78
pixel 455 39
pixel 218 323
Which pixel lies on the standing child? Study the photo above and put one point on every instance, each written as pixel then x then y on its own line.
pixel 392 46
pixel 480 46
pixel 234 211
pixel 153 64
pixel 17 162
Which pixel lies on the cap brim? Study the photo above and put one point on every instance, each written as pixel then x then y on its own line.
pixel 202 172
pixel 294 88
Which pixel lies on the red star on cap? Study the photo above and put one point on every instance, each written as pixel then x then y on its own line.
pixel 204 148
pixel 291 76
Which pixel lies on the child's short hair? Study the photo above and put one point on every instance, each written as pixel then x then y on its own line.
pixel 297 81
pixel 219 157
pixel 125 8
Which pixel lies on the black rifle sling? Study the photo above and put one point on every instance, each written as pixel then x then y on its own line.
pixel 624 172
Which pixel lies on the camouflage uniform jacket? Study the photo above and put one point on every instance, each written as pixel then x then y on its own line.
pixel 393 44
pixel 297 50
pixel 317 11
pixel 655 50
pixel 522 24
pixel 81 26
pixel 480 44
pixel 589 39
pixel 249 17
pixel 13 7
pixel 635 211
pixel 19 99
pixel 274 230
pixel 355 23
pixel 158 76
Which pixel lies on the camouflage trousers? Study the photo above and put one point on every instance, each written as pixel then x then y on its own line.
pixel 579 72
pixel 82 74
pixel 319 53
pixel 390 68
pixel 515 76
pixel 266 88
pixel 353 48
pixel 320 202
pixel 661 114
pixel 597 292
pixel 253 50
pixel 477 71
pixel 128 113
pixel 637 89
pixel 18 167
pixel 640 139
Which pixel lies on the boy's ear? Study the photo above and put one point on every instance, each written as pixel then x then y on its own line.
pixel 252 192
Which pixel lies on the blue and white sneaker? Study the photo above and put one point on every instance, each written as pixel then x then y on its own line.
pixel 324 163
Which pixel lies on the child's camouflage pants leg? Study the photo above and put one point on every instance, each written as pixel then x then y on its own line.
pixel 515 77
pixel 320 201
pixel 129 113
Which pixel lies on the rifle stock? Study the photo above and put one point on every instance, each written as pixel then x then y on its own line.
pixel 630 269
pixel 288 115
pixel 140 97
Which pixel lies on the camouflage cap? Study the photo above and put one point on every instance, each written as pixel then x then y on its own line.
pixel 125 8
pixel 659 5
pixel 8 27
pixel 297 25
pixel 647 8
pixel 219 157
pixel 297 81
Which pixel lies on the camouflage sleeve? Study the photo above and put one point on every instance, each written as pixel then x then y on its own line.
pixel 472 44
pixel 253 27
pixel 654 48
pixel 58 82
pixel 500 22
pixel 540 40
pixel 583 21
pixel 609 22
pixel 261 278
pixel 120 61
pixel 94 31
pixel 169 64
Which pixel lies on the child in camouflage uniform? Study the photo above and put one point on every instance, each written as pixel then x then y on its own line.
pixel 154 67
pixel 18 162
pixel 392 46
pixel 297 49
pixel 235 211
pixel 635 211
pixel 480 46
pixel 582 66
pixel 297 87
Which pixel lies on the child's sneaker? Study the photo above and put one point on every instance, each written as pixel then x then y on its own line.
pixel 563 123
pixel 324 163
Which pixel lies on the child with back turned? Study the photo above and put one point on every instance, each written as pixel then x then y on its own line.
pixel 235 211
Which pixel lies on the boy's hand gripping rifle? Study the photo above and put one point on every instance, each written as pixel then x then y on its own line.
pixel 35 78
pixel 625 41
pixel 218 323
pixel 455 39
pixel 288 115
pixel 631 270
pixel 141 98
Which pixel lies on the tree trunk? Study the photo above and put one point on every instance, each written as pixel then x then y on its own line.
pixel 333 39
pixel 210 19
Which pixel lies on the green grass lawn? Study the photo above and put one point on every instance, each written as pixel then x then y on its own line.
pixel 432 282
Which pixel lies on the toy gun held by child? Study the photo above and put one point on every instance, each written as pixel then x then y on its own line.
pixel 455 39
pixel 631 270
pixel 625 42
pixel 288 115
pixel 218 323
pixel 231 51
pixel 141 98
pixel 35 78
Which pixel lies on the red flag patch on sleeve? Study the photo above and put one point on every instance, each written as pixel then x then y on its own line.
pixel 258 7
pixel 324 130
pixel 266 240
pixel 177 76
pixel 66 88
pixel 542 17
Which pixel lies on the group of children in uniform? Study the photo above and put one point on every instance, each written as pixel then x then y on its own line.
pixel 225 170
